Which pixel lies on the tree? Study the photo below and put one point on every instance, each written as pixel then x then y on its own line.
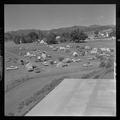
pixel 40 35
pixel 8 37
pixel 62 40
pixel 96 33
pixel 51 38
pixel 17 39
pixel 27 39
pixel 112 34
pixel 78 36
pixel 65 37
pixel 33 36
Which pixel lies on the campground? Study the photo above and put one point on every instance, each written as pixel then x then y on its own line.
pixel 23 88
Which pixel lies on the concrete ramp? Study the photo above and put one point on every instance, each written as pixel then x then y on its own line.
pixel 79 97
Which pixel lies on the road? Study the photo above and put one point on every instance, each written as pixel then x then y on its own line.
pixel 79 97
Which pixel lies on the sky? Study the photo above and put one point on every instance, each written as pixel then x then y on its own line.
pixel 46 17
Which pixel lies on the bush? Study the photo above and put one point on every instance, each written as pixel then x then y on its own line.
pixel 78 36
pixel 51 38
pixel 33 36
pixel 107 63
pixel 67 51
pixel 61 58
pixel 51 62
pixel 102 64
pixel 96 33
pixel 110 63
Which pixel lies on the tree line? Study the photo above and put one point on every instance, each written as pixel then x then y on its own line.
pixel 75 35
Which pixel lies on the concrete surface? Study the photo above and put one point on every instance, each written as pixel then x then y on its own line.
pixel 79 97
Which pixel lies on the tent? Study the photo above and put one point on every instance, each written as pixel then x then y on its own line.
pixel 43 42
pixel 29 66
pixel 57 37
pixel 68 46
pixel 75 54
pixel 62 48
pixel 38 57
pixel 44 55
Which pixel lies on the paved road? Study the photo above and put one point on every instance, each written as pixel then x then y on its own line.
pixel 79 97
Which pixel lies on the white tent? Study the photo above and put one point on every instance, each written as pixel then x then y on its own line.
pixel 57 37
pixel 38 57
pixel 43 55
pixel 59 64
pixel 28 54
pixel 93 51
pixel 75 54
pixel 87 47
pixel 68 46
pixel 62 48
pixel 43 42
pixel 29 66
pixel 50 46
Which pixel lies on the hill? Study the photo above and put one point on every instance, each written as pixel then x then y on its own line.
pixel 88 29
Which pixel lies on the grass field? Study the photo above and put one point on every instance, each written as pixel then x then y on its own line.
pixel 24 89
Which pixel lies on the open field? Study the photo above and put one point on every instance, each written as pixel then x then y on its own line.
pixel 23 89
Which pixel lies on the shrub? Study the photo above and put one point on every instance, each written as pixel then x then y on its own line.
pixel 102 64
pixel 67 51
pixel 51 39
pixel 61 58
pixel 51 62
pixel 78 36
pixel 107 63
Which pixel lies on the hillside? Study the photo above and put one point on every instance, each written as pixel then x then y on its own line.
pixel 58 31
